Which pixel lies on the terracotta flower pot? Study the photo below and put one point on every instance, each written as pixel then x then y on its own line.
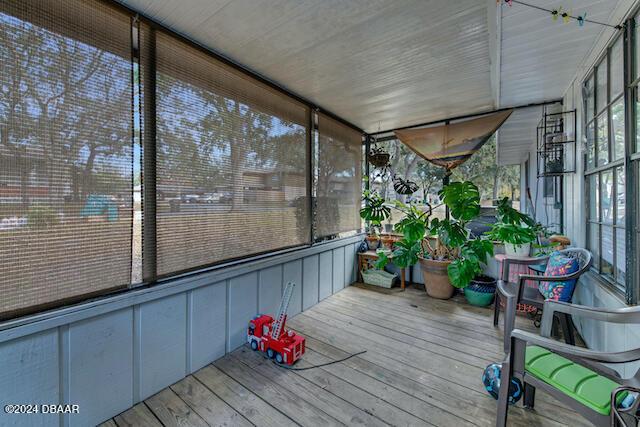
pixel 436 279
pixel 387 242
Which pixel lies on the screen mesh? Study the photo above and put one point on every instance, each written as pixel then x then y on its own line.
pixel 339 178
pixel 65 151
pixel 232 162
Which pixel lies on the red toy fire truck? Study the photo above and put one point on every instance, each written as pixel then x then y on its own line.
pixel 269 335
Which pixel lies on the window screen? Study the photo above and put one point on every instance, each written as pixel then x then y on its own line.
pixel 339 178
pixel 65 151
pixel 232 158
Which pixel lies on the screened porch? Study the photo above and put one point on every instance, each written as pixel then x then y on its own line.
pixel 168 168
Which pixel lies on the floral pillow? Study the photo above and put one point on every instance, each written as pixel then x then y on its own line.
pixel 559 265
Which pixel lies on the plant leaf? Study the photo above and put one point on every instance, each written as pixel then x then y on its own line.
pixel 462 199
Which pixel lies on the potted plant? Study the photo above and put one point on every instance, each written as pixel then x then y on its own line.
pixel 554 166
pixel 374 211
pixel 387 241
pixel 450 257
pixel 513 228
pixel 372 241
pixel 458 255
pixel 481 290
pixel 517 239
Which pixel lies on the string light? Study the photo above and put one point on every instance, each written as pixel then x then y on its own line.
pixel 559 12
pixel 581 19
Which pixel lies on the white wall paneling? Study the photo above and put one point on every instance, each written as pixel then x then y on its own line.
pixel 109 354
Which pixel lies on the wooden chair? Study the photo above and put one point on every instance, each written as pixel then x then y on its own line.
pixel 575 376
pixel 517 293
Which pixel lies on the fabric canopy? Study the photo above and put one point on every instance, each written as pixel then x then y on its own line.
pixel 450 145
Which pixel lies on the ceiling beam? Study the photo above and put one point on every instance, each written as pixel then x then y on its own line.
pixel 469 116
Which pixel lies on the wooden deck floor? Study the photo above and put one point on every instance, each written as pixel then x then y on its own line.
pixel 423 366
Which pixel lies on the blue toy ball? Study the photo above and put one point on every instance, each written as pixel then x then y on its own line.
pixel 491 381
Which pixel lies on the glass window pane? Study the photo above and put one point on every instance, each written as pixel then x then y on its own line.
pixel 636 48
pixel 602 139
pixel 606 267
pixel 66 152
pixel 617 124
pixel 338 185
pixel 637 120
pixel 601 85
pixel 620 197
pixel 589 98
pixel 591 146
pixel 620 255
pixel 617 68
pixel 594 198
pixel 594 243
pixel 231 161
pixel 607 197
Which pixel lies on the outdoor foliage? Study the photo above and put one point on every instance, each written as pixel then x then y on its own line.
pixel 481 169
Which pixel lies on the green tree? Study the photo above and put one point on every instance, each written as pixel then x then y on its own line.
pixel 64 109
pixel 429 177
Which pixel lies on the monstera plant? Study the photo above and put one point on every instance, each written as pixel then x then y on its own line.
pixel 449 255
pixel 513 228
pixel 374 211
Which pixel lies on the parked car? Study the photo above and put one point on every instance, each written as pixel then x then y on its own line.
pixel 210 198
pixel 190 198
pixel 226 197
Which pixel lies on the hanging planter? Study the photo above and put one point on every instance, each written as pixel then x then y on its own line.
pixel 555 166
pixel 378 157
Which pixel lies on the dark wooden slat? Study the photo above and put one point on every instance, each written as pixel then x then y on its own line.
pixel 453 326
pixel 457 378
pixel 448 320
pixel 206 404
pixel 241 399
pixel 360 409
pixel 456 306
pixel 396 398
pixel 173 411
pixel 433 358
pixel 395 378
pixel 294 406
pixel 477 406
pixel 422 331
pixel 138 416
pixel 476 358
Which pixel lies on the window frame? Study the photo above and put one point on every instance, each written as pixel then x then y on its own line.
pixel 142 61
pixel 594 166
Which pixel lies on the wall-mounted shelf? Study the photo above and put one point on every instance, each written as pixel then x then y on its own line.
pixel 556 153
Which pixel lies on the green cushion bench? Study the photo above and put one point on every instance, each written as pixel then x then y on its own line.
pixel 577 382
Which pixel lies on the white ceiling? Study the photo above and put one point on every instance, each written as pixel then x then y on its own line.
pixel 517 134
pixel 376 63
pixel 539 58
pixel 384 64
